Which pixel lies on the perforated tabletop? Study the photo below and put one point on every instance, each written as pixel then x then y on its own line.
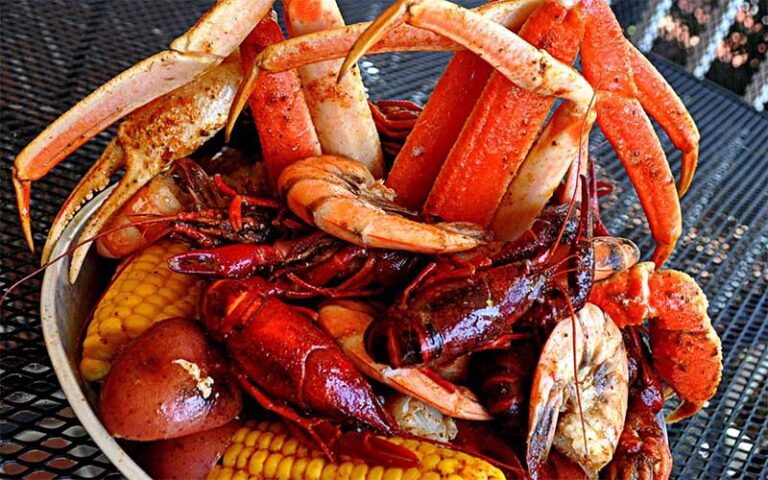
pixel 54 53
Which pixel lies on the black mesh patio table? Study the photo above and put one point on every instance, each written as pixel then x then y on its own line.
pixel 55 52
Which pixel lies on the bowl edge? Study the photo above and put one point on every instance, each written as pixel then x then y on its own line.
pixel 68 378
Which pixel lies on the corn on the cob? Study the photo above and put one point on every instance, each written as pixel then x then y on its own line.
pixel 266 450
pixel 144 291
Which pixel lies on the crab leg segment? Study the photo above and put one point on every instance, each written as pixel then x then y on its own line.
pixel 339 109
pixel 202 47
pixel 523 64
pixel 501 129
pixel 419 161
pixel 147 142
pixel 607 65
pixel 542 171
pixel 334 43
pixel 286 132
pixel 662 103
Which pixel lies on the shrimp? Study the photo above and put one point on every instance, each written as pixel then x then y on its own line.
pixel 346 322
pixel 581 416
pixel 686 349
pixel 341 197
pixel 161 196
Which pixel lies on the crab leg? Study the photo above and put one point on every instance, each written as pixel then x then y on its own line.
pixel 607 64
pixel 542 171
pixel 501 129
pixel 426 148
pixel 523 64
pixel 340 110
pixel 334 43
pixel 662 103
pixel 286 132
pixel 148 141
pixel 202 47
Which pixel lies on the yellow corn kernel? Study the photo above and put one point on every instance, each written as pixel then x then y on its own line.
pixel 359 472
pixel 98 367
pixel 376 473
pixel 314 469
pixel 329 472
pixel 284 468
pixel 393 474
pixel 299 467
pixel 143 292
pixel 344 471
pixel 242 459
pixel 230 456
pixel 256 464
pixel 266 450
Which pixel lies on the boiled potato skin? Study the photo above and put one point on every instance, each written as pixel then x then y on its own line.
pixel 149 395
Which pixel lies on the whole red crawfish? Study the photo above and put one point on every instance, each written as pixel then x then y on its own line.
pixel 289 365
pixel 461 310
pixel 311 265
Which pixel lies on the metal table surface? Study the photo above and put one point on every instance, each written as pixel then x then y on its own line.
pixel 56 52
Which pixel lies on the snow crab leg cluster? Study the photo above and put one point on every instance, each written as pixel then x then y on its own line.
pixel 470 277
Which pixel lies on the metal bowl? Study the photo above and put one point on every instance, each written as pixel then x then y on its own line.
pixel 64 309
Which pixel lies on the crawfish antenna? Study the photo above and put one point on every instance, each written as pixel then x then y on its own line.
pixel 69 251
pixel 586 223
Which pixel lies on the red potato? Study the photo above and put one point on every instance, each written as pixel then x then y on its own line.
pixel 186 458
pixel 153 391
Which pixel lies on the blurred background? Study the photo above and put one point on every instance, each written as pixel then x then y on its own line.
pixel 723 41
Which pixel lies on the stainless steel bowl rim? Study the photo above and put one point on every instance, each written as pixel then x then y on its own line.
pixel 64 363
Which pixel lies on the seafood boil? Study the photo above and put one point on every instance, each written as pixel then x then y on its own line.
pixel 312 284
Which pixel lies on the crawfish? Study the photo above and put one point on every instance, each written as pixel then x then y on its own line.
pixel 286 362
pixel 455 315
pixel 313 265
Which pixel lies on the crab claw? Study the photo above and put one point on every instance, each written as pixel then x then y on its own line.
pixel 214 37
pixel 608 64
pixel 147 142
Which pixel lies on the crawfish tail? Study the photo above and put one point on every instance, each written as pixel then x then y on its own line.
pixel 505 382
